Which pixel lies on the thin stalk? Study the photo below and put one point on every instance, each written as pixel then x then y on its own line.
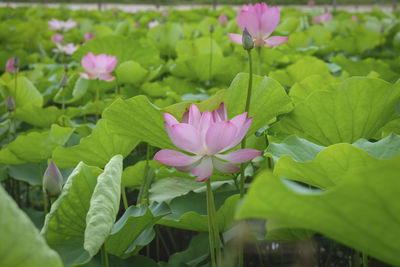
pixel 124 199
pixel 214 223
pixel 45 207
pixel 260 259
pixel 211 55
pixel 266 146
pixel 258 60
pixel 144 188
pixel 15 88
pixel 210 228
pixel 365 259
pixel 162 240
pixel 242 178
pixel 104 256
pixel 97 100
pixel 27 195
pixel 240 255
pixel 171 237
pixel 17 193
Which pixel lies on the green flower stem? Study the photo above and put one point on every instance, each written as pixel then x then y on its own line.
pixel 365 259
pixel 143 196
pixel 104 256
pixel 97 99
pixel 211 56
pixel 247 108
pixel 215 242
pixel 124 199
pixel 210 227
pixel 258 60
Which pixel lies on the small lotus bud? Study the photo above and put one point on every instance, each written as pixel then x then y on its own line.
pixel 52 180
pixel 211 28
pixel 66 67
pixel 247 40
pixel 222 20
pixel 10 104
pixel 64 81
pixel 11 66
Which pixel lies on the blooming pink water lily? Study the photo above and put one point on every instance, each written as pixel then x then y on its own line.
pixel 311 3
pixel 67 49
pixel 59 25
pixel 354 18
pixel 222 19
pixel 10 65
pixel 57 38
pixel 260 21
pixel 98 67
pixel 206 136
pixel 321 19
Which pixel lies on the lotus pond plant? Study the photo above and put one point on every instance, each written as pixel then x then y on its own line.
pixel 196 161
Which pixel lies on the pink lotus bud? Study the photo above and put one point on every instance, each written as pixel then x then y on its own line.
pixel 311 3
pixel 64 81
pixel 260 21
pixel 57 38
pixel 354 18
pixel 52 180
pixel 222 19
pixel 137 25
pixel 98 67
pixel 115 11
pixel 206 136
pixel 12 65
pixel 10 104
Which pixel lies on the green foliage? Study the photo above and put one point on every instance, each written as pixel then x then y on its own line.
pixel 82 217
pixel 365 221
pixel 22 235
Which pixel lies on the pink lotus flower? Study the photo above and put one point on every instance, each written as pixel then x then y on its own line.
pixel 323 18
pixel 59 25
pixel 11 65
pixel 57 38
pixel 206 135
pixel 69 24
pixel 67 49
pixel 152 24
pixel 311 3
pixel 260 21
pixel 222 19
pixel 98 67
pixel 137 25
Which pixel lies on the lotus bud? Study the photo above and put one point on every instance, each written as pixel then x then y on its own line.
pixel 211 28
pixel 10 104
pixel 64 81
pixel 247 40
pixel 52 180
pixel 66 67
pixel 12 65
